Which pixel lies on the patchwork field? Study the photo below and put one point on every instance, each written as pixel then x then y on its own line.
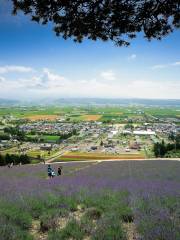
pixel 96 201
pixel 115 114
pixel 22 112
pixel 98 156
pixel 91 117
pixel 42 117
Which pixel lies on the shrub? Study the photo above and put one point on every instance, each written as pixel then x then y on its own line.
pixel 72 230
pixel 9 231
pixel 109 228
pixel 87 225
pixel 160 226
pixel 16 216
pixel 35 207
pixel 94 213
pixel 125 213
pixel 48 221
pixel 158 218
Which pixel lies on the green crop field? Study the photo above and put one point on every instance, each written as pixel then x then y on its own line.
pixel 48 138
pixel 93 113
pixel 41 153
pixel 20 112
pixel 162 112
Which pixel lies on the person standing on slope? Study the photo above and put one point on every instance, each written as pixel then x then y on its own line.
pixel 51 173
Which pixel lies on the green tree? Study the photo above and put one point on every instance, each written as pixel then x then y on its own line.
pixel 24 159
pixel 15 132
pixel 8 159
pixel 162 149
pixel 129 126
pixel 2 160
pixel 171 136
pixel 117 21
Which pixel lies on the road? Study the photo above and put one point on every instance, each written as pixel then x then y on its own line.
pixel 51 159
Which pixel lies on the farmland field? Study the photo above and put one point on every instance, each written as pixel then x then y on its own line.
pixel 42 117
pixel 41 153
pixel 100 201
pixel 30 111
pixel 91 117
pixel 94 113
pixel 98 156
pixel 50 138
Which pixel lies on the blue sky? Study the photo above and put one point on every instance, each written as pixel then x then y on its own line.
pixel 34 63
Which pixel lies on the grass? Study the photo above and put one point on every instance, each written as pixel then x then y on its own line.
pixel 41 153
pixel 46 138
pixel 11 150
pixel 50 137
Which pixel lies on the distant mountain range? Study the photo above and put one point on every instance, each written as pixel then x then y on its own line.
pixel 120 101
pixel 8 102
pixel 93 101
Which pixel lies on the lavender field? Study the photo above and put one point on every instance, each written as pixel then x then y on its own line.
pixel 100 200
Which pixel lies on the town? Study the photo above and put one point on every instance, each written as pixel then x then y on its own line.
pixel 82 134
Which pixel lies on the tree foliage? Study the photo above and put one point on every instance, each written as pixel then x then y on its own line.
pixel 15 133
pixel 12 158
pixel 115 20
pixel 161 149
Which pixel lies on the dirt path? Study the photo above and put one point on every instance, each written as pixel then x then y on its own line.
pixel 131 231
pixel 51 159
pixel 82 168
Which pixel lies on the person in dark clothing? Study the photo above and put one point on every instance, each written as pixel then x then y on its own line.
pixel 59 171
pixel 51 173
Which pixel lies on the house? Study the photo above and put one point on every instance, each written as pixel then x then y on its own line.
pixel 94 148
pixel 135 146
pixel 144 132
pixel 46 147
pixel 126 132
pixel 74 149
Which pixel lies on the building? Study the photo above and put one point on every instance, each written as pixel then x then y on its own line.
pixel 144 132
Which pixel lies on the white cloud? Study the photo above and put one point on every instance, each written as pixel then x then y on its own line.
pixel 176 64
pixel 48 79
pixel 2 79
pixel 52 76
pixel 108 75
pixel 47 83
pixel 132 57
pixel 45 80
pixel 154 89
pixel 161 66
pixel 13 68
